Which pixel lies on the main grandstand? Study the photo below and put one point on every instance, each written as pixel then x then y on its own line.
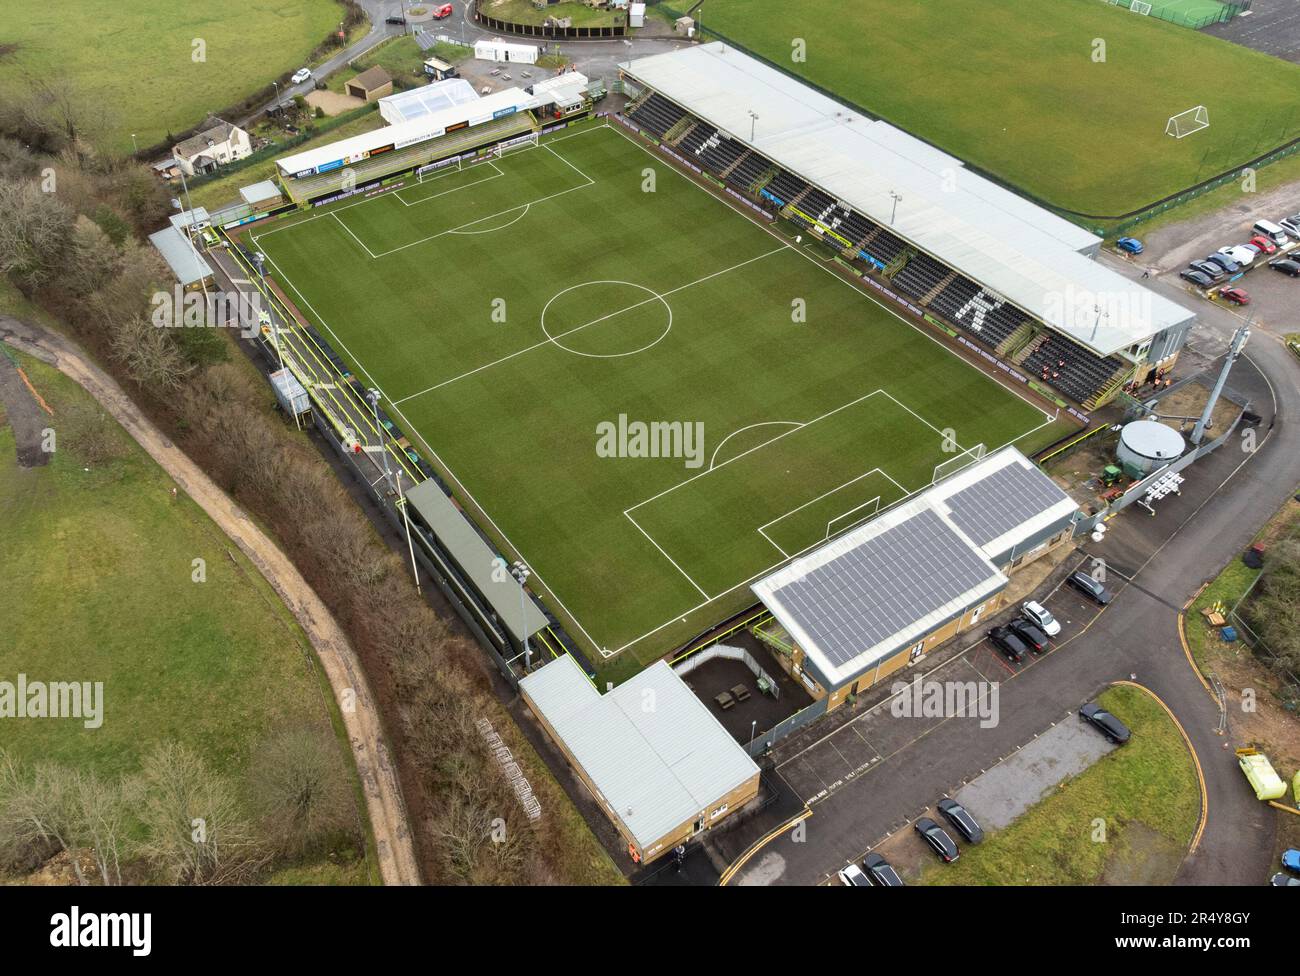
pixel 998 273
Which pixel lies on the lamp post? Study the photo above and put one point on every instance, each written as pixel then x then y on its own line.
pixel 406 520
pixel 753 727
pixel 373 395
pixel 521 572
pixel 260 260
pixel 894 212
pixel 753 119
pixel 134 145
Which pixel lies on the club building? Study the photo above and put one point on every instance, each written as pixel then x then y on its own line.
pixel 661 766
pixel 880 597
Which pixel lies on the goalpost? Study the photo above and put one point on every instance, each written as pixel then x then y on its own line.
pixel 432 172
pixel 527 141
pixel 1185 123
pixel 968 456
pixel 859 514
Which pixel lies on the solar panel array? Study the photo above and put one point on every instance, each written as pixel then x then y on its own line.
pixel 878 588
pixel 1001 501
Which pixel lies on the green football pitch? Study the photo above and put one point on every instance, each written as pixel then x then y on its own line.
pixel 524 317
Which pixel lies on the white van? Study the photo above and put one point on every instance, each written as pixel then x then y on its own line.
pixel 1272 231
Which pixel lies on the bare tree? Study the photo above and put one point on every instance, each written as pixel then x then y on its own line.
pixel 149 354
pixel 102 824
pixel 39 812
pixel 35 234
pixel 301 790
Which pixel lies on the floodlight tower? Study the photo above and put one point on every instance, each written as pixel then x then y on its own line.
pixel 1234 351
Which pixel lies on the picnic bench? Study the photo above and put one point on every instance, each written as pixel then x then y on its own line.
pixel 740 693
pixel 724 700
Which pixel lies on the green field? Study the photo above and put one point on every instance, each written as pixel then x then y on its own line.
pixel 1012 87
pixel 1146 792
pixel 134 61
pixel 508 310
pixel 97 564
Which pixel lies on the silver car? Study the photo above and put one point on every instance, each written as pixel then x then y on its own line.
pixel 1038 614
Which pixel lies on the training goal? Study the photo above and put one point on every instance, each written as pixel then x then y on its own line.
pixel 958 461
pixel 1185 123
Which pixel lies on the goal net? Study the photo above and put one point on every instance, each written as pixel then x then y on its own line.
pixel 1185 123
pixel 434 170
pixel 853 517
pixel 527 141
pixel 957 462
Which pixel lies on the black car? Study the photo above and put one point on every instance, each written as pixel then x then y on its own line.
pixel 938 839
pixel 881 872
pixel 1199 278
pixel 399 21
pixel 961 820
pixel 1105 723
pixel 1030 634
pixel 1286 266
pixel 1009 643
pixel 1211 271
pixel 1224 262
pixel 1089 587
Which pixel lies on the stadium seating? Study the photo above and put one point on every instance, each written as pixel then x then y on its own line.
pixel 980 313
pixel 657 114
pixel 1077 372
pixel 696 137
pixel 883 246
pixel 920 276
pixel 784 187
pixel 749 169
pixel 720 152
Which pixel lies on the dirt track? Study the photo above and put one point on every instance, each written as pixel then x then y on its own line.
pixel 378 775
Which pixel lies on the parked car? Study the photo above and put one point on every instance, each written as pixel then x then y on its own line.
pixel 1239 253
pixel 1281 880
pixel 1006 640
pixel 1041 617
pixel 1286 266
pixel 852 876
pixel 1105 723
pixel 881 872
pixel 1209 269
pixel 1089 587
pixel 396 21
pixel 1263 244
pixel 1291 860
pixel 1030 634
pixel 1291 225
pixel 301 75
pixel 1235 296
pixel 1199 278
pixel 961 820
pixel 938 839
pixel 1130 244
pixel 1226 263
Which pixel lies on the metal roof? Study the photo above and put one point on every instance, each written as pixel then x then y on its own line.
pixel 888 583
pixel 650 748
pixel 427 99
pixel 180 255
pixel 259 192
pixel 1023 252
pixel 479 561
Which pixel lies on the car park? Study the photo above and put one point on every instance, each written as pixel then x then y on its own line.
pixel 1286 266
pixel 1105 723
pixel 1009 643
pixel 1030 634
pixel 1224 262
pixel 1263 244
pixel 1089 587
pixel 301 75
pixel 1130 244
pixel 1235 296
pixel 852 876
pixel 1211 271
pixel 961 820
pixel 881 872
pixel 938 839
pixel 1199 278
pixel 1041 617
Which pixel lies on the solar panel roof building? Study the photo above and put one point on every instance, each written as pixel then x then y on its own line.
pixel 1026 254
pixel 651 752
pixel 919 572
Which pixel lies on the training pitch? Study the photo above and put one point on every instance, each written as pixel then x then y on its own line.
pixel 524 316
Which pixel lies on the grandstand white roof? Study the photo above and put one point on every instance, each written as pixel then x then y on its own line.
pixel 406 133
pixel 656 767
pixel 426 100
pixel 1023 252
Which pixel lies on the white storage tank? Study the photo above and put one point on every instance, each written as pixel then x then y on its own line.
pixel 1145 445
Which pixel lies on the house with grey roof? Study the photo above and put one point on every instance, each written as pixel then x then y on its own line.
pixel 218 143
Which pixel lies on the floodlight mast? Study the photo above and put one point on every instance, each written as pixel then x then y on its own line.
pixel 1234 351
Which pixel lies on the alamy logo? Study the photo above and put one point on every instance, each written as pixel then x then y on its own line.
pixel 946 699
pixel 656 439
pixel 73 930
pixel 53 699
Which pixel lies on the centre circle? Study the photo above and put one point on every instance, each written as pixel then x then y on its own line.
pixel 607 319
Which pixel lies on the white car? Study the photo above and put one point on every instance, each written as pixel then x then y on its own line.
pixel 1291 225
pixel 1240 253
pixel 853 876
pixel 301 75
pixel 1040 616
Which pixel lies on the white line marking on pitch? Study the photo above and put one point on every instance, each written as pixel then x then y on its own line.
pixel 354 236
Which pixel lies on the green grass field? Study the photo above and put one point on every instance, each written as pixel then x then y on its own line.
pixel 1013 88
pixel 1146 792
pixel 96 565
pixel 508 310
pixel 135 59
